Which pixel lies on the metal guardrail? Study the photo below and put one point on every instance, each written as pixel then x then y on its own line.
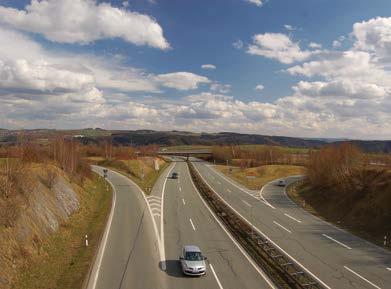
pixel 280 268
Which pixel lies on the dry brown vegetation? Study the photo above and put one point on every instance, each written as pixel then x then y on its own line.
pixel 261 175
pixel 343 186
pixel 246 156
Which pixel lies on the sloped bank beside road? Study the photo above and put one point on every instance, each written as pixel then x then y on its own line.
pixel 43 223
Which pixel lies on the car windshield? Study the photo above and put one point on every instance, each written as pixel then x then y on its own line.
pixel 193 256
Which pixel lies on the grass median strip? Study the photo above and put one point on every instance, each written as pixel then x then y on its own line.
pixel 141 171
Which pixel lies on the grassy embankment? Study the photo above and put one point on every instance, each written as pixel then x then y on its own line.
pixel 64 261
pixel 364 211
pixel 263 174
pixel 344 187
pixel 140 170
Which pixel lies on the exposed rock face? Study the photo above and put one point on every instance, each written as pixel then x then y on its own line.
pixel 41 210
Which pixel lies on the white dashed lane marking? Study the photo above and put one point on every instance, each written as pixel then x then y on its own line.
pixel 191 222
pixel 289 216
pixel 338 242
pixel 358 275
pixel 281 226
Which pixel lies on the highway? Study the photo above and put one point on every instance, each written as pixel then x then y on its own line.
pixel 334 257
pixel 144 237
pixel 128 256
pixel 187 220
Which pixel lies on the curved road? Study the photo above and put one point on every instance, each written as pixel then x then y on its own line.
pixel 128 256
pixel 130 252
pixel 336 258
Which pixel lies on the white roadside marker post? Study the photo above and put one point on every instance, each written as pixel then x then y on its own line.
pixel 385 241
pixel 86 237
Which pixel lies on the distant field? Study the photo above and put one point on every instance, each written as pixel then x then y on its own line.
pixel 263 174
pixel 285 149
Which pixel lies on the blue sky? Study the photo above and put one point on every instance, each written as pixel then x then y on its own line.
pixel 321 66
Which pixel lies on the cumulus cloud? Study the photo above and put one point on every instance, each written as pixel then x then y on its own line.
pixel 315 45
pixel 374 36
pixel 345 93
pixel 208 66
pixel 238 44
pixel 258 3
pixel 259 87
pixel 343 88
pixel 84 21
pixel 220 88
pixel 289 27
pixel 181 80
pixel 278 46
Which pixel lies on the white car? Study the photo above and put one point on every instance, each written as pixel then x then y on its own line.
pixel 281 183
pixel 192 261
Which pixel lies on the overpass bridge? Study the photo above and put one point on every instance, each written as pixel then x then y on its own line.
pixel 186 153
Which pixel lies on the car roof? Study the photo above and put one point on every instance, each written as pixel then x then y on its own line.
pixel 191 248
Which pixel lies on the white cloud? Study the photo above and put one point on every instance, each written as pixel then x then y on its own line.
pixel 278 46
pixel 289 27
pixel 84 21
pixel 342 89
pixel 259 87
pixel 181 80
pixel 258 3
pixel 315 45
pixel 125 4
pixel 208 66
pixel 350 64
pixel 374 35
pixel 350 95
pixel 337 44
pixel 238 44
pixel 220 88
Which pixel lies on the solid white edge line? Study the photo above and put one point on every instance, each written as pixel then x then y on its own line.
pixel 358 275
pixel 247 204
pixel 264 235
pixel 161 219
pixel 191 222
pixel 240 188
pixel 261 195
pixel 278 224
pixel 249 259
pixel 102 246
pixel 330 224
pixel 294 219
pixel 183 201
pixel 338 242
pixel 161 245
pixel 214 274
pixel 180 189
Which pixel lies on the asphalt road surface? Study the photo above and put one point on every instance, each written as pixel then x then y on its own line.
pixel 336 258
pixel 129 252
pixel 188 221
